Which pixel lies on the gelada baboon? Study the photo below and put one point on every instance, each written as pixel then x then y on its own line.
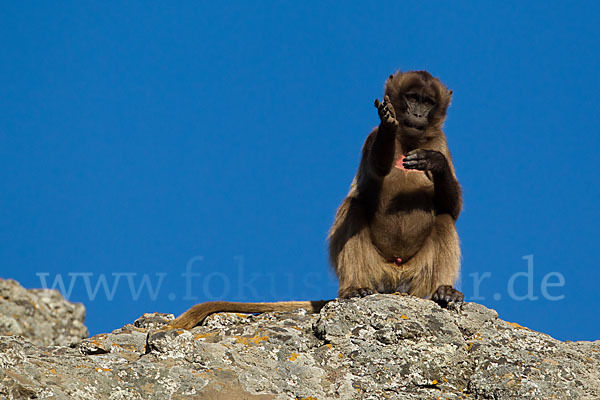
pixel 395 230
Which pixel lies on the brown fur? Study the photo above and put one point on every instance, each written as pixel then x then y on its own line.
pixel 199 312
pixel 389 213
pixel 395 213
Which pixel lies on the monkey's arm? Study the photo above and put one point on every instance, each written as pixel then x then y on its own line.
pixel 447 194
pixel 381 154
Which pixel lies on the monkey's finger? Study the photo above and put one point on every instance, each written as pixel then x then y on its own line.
pixel 386 98
pixel 410 163
pixel 457 296
pixel 413 156
pixel 392 110
pixel 377 103
pixel 440 294
pixel 416 151
pixel 418 165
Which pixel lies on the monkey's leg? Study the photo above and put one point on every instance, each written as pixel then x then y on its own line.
pixel 358 265
pixel 434 269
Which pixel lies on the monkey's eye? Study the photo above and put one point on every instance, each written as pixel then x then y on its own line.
pixel 411 97
pixel 428 102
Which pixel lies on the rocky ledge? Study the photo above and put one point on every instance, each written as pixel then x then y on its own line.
pixel 379 347
pixel 44 317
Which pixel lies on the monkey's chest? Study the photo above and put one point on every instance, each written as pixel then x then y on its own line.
pixel 405 214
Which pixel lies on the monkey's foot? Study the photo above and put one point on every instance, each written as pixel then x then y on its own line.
pixel 355 292
pixel 446 294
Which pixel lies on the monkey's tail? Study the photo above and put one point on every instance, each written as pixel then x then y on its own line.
pixel 199 312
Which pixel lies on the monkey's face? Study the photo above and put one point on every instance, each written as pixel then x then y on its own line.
pixel 417 107
pixel 420 101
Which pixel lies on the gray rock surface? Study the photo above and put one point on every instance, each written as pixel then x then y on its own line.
pixel 44 317
pixel 379 347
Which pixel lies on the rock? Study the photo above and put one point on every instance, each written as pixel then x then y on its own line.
pixel 44 317
pixel 378 347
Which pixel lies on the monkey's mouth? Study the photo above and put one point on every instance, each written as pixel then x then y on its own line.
pixel 414 125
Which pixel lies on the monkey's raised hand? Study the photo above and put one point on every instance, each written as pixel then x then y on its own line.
pixel 386 111
pixel 425 160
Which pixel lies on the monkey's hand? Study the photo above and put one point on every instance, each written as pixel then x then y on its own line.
pixel 425 160
pixel 387 114
pixel 446 294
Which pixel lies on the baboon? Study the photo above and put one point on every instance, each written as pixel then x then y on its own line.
pixel 395 230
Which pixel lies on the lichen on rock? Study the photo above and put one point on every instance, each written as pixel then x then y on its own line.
pixel 378 347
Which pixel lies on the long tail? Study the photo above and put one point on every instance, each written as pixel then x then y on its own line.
pixel 199 312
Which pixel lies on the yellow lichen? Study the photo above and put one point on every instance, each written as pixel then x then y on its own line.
pixel 293 356
pixel 253 340
pixel 204 335
pixel 515 325
pixel 403 317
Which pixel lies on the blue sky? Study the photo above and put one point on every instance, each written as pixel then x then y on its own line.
pixel 141 140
